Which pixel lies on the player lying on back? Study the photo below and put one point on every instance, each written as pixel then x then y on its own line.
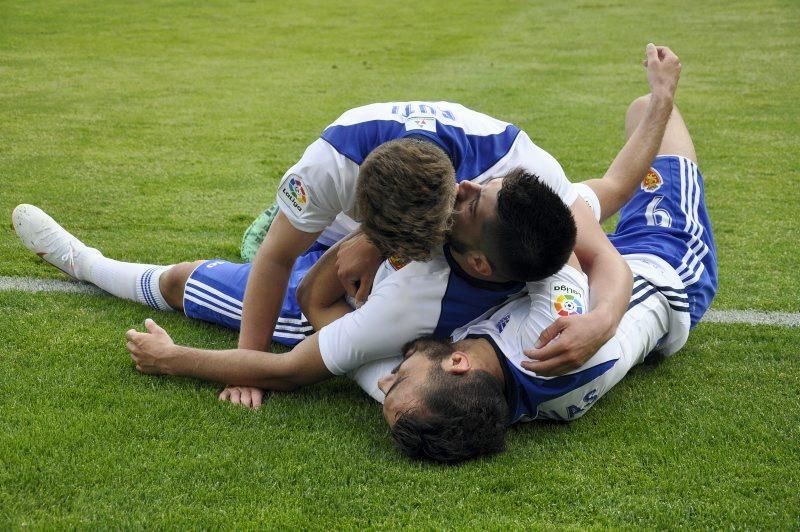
pixel 451 401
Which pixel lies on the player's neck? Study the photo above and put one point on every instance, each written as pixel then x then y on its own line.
pixel 462 260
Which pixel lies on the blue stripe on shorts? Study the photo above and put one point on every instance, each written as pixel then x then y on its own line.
pixel 667 217
pixel 215 290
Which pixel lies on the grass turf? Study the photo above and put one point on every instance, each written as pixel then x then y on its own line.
pixel 158 130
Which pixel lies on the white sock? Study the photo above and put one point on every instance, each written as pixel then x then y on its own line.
pixel 127 280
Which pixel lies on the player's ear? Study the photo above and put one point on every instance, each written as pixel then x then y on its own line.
pixel 457 363
pixel 480 263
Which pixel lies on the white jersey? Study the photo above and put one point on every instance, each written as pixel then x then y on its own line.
pixel 433 297
pixel 319 191
pixel 657 320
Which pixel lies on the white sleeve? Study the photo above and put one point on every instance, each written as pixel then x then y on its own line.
pixel 378 329
pixel 588 195
pixel 525 154
pixel 367 376
pixel 317 188
pixel 564 294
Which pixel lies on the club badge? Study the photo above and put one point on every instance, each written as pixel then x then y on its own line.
pixel 652 181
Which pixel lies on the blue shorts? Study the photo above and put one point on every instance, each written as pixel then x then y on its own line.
pixel 667 217
pixel 215 290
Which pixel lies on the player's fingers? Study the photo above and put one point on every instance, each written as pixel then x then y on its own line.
pixel 247 397
pixel 235 396
pixel 363 292
pixel 547 368
pixel 224 394
pixel 132 348
pixel 550 351
pixel 553 330
pixel 351 287
pixel 257 398
pixel 152 326
pixel 651 52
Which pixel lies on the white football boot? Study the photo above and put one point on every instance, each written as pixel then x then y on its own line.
pixel 42 235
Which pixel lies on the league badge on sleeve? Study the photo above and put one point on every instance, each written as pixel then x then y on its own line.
pixel 652 181
pixel 567 300
pixel 293 193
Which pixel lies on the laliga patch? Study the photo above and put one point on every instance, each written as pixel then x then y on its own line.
pixel 425 123
pixel 567 300
pixel 293 193
pixel 652 181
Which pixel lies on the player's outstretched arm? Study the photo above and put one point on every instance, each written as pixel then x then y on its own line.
pixel 632 163
pixel 155 353
pixel 268 279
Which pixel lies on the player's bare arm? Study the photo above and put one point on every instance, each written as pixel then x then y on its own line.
pixel 154 353
pixel 644 138
pixel 609 276
pixel 268 280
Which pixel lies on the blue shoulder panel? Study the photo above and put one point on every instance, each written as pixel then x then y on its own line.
pixel 466 298
pixel 526 393
pixel 471 154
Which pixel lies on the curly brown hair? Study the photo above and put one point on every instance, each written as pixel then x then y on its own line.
pixel 405 196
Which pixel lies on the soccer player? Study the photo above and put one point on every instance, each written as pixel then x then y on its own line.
pixel 156 353
pixel 396 216
pixel 450 401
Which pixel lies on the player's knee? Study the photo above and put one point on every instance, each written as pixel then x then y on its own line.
pixel 304 293
pixel 635 113
pixel 173 281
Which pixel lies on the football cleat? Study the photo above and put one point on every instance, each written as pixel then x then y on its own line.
pixel 254 235
pixel 54 244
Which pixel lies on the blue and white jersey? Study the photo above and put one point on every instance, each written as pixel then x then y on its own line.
pixel 320 188
pixel 656 321
pixel 422 298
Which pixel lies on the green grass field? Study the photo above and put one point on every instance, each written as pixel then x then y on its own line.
pixel 157 131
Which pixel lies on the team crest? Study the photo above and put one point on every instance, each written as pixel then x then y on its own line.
pixel 567 299
pixel 397 263
pixel 652 181
pixel 293 193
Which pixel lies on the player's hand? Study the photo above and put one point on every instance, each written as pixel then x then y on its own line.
pixel 567 344
pixel 151 350
pixel 243 395
pixel 663 70
pixel 357 261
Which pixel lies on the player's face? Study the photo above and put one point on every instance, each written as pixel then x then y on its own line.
pixel 402 387
pixel 475 205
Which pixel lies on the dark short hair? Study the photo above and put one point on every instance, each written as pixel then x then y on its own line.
pixel 461 417
pixel 405 196
pixel 534 231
